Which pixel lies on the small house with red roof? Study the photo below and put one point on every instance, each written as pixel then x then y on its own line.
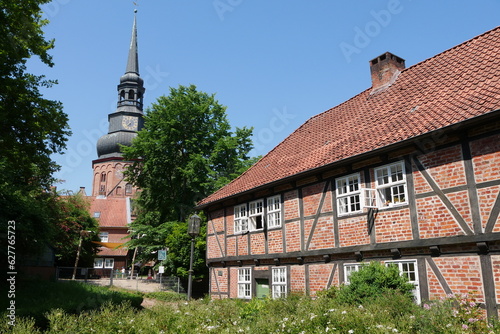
pixel 406 172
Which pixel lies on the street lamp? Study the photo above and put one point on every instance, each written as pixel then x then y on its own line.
pixel 193 231
pixel 82 234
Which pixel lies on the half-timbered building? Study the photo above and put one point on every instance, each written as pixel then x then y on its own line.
pixel 406 172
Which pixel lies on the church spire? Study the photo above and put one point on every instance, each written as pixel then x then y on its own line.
pixel 133 56
pixel 127 120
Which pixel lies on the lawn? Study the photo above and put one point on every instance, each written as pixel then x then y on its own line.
pixel 45 307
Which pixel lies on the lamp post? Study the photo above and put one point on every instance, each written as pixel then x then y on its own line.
pixel 82 234
pixel 193 231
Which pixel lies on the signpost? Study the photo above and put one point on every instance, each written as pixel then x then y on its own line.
pixel 162 256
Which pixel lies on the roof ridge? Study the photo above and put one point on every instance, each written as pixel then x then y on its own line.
pixel 450 49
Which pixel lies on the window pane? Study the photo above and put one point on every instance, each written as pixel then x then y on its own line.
pixel 355 203
pixel 341 186
pixel 382 176
pixel 342 205
pixel 353 184
pixel 398 194
pixel 397 172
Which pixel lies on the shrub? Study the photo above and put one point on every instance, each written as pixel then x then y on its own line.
pixel 166 296
pixel 373 280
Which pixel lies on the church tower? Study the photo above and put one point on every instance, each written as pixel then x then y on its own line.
pixel 108 178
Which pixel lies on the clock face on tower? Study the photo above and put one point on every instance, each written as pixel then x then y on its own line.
pixel 129 123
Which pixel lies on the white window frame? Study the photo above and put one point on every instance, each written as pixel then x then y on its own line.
pixel 98 262
pixel 349 195
pixel 104 236
pixel 256 215
pixel 109 263
pixel 390 185
pixel 240 219
pixel 409 268
pixel 349 268
pixel 279 282
pixel 245 283
pixel 274 211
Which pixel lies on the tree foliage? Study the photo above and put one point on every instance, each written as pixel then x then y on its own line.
pixel 72 220
pixel 31 127
pixel 185 151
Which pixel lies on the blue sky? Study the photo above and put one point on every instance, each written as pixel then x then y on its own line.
pixel 274 64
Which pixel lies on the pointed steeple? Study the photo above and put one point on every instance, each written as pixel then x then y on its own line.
pixel 128 117
pixel 133 56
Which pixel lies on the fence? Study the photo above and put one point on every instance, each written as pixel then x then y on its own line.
pixel 125 279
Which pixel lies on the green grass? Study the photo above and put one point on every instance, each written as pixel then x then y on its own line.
pixel 35 298
pixel 390 313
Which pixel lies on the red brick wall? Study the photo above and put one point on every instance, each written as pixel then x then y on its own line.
pixel 231 245
pixel 435 220
pixel 233 292
pixel 311 197
pixel 275 241
pixel 462 274
pixel 297 279
pixel 257 243
pixel 291 205
pixel 353 231
pixel 486 158
pixel 216 223
pixel 319 275
pixel 213 249
pixel 230 220
pixel 393 225
pixel 219 284
pixel 292 232
pixel 242 244
pixel 445 166
pixel 487 197
pixel 495 262
pixel 322 237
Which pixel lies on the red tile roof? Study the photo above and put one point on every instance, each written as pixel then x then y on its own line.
pixel 112 252
pixel 113 211
pixel 453 86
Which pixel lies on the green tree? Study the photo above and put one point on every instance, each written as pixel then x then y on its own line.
pixel 185 151
pixel 72 219
pixel 31 127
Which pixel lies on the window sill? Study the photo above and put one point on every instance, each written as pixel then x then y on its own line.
pixel 349 214
pixel 393 206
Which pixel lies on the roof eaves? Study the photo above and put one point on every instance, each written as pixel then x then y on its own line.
pixel 392 146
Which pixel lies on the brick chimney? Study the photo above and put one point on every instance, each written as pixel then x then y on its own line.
pixel 385 70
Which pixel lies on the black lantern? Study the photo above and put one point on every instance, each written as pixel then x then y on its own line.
pixel 194 226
